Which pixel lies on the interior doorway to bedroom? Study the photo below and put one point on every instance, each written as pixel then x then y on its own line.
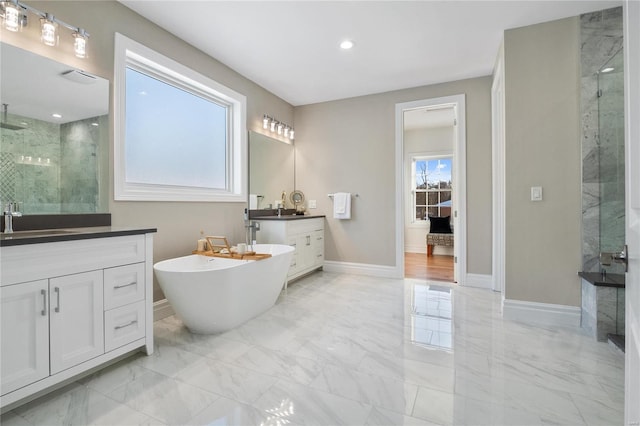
pixel 431 141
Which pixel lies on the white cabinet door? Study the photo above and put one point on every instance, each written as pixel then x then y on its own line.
pixel 25 334
pixel 76 319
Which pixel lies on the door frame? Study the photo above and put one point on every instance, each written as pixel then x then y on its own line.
pixel 460 179
pixel 498 176
pixel 631 11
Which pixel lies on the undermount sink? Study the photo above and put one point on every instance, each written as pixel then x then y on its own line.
pixel 36 233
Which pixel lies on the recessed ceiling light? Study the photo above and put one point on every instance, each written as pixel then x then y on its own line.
pixel 608 69
pixel 94 124
pixel 56 115
pixel 346 44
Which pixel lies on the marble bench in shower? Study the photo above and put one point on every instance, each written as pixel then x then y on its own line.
pixel 602 304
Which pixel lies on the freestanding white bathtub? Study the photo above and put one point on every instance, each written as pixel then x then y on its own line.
pixel 212 294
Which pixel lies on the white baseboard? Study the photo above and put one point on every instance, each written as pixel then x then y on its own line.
pixel 162 309
pixel 479 281
pixel 541 313
pixel 415 249
pixel 361 269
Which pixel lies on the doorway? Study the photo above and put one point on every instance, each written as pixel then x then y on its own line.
pixel 430 184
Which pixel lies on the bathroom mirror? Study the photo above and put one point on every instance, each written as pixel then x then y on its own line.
pixel 54 135
pixel 271 171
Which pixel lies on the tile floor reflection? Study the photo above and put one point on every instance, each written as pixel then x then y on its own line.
pixel 353 350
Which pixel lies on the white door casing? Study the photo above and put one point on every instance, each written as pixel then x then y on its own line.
pixel 459 196
pixel 498 175
pixel 632 209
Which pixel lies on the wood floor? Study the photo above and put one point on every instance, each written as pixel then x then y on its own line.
pixel 436 267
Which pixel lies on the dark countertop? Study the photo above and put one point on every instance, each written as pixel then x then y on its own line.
pixel 287 217
pixel 611 280
pixel 19 238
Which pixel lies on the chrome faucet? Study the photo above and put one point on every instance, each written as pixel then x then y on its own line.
pixel 9 214
pixel 252 227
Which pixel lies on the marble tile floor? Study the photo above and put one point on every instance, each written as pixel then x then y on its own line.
pixel 353 350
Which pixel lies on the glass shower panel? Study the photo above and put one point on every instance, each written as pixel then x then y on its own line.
pixel 611 155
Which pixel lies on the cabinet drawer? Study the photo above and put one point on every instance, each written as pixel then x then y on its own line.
pixel 305 225
pixel 123 285
pixel 124 325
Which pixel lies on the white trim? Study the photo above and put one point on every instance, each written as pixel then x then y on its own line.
pixel 479 281
pixel 361 269
pixel 498 175
pixel 128 51
pixel 421 249
pixel 541 313
pixel 460 172
pixel 162 309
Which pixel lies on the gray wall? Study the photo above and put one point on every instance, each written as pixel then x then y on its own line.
pixel 349 145
pixel 177 232
pixel 542 137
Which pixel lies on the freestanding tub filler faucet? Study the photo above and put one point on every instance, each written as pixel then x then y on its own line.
pixel 9 214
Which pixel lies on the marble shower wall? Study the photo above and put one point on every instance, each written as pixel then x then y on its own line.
pixel 50 168
pixel 31 165
pixel 602 204
pixel 80 145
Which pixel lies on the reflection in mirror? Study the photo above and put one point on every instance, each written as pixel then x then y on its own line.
pixel 54 137
pixel 271 171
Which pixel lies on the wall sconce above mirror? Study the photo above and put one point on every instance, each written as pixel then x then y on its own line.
pixel 15 17
pixel 278 127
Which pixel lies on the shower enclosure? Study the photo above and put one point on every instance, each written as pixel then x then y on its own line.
pixel 611 156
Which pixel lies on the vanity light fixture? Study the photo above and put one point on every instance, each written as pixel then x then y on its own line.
pixel 49 30
pixel 11 15
pixel 80 43
pixel 14 17
pixel 276 126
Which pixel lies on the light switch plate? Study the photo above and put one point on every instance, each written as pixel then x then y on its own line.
pixel 536 193
pixel 313 204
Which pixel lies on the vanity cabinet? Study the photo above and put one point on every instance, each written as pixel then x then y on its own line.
pixel 68 307
pixel 76 324
pixel 25 334
pixel 306 235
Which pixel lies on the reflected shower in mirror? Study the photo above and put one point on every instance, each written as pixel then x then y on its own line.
pixel 271 171
pixel 54 137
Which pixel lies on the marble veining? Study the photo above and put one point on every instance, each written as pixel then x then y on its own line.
pixel 602 141
pixel 342 350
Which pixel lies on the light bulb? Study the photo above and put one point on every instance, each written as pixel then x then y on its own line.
pixel 273 126
pixel 286 132
pixel 280 127
pixel 80 43
pixel 11 16
pixel 291 134
pixel 265 122
pixel 49 33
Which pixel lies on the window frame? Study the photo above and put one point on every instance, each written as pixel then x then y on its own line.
pixel 413 190
pixel 131 54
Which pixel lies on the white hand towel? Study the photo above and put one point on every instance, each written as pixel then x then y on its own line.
pixel 253 201
pixel 342 205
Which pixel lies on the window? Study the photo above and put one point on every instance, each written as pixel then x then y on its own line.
pixel 180 136
pixel 431 187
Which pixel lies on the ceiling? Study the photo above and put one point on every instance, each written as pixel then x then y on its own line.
pixel 291 47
